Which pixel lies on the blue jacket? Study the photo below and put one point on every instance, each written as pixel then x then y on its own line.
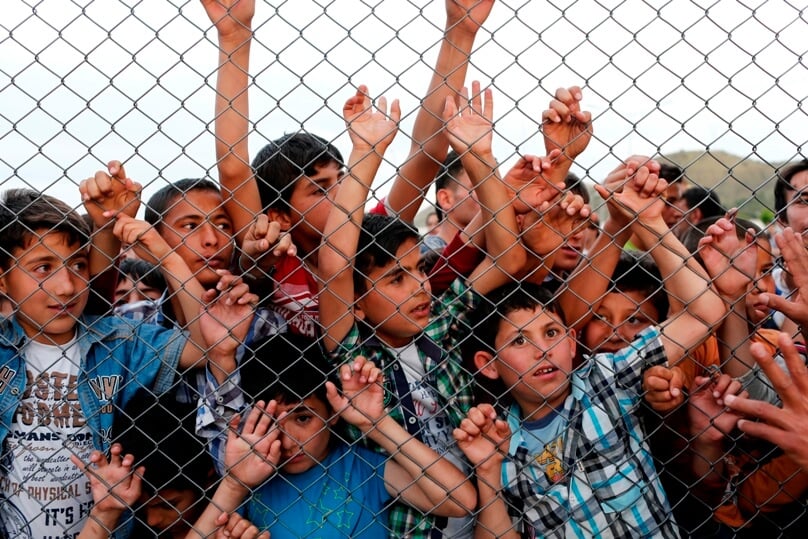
pixel 118 357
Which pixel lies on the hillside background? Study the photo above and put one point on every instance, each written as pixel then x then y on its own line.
pixel 742 182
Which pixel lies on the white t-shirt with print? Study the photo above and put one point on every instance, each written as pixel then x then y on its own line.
pixel 45 495
pixel 437 428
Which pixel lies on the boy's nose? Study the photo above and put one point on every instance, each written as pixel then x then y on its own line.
pixel 210 235
pixel 62 282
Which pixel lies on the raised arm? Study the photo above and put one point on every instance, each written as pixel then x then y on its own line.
pixel 484 439
pixel 105 195
pixel 589 283
pixel 469 125
pixel 566 127
pixel 684 278
pixel 233 21
pixel 429 143
pixel 116 486
pixel 732 264
pixel 416 473
pixel 371 132
pixel 251 458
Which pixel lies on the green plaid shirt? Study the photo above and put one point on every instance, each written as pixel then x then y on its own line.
pixel 439 350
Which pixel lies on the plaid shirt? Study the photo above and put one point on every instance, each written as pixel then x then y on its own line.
pixel 439 349
pixel 610 486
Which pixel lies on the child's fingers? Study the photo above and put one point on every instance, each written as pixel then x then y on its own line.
pixel 550 115
pixel 253 417
pixel 657 383
pixel 366 371
pixel 264 423
pixel 469 429
pixel 395 111
pixel 502 429
pixel 488 101
pixel 476 98
pixel 449 109
pixel 260 227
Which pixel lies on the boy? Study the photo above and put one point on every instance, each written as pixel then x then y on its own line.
pixel 299 480
pixel 63 374
pixel 376 301
pixel 294 178
pixel 570 460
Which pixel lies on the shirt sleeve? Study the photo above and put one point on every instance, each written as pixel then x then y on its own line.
pixel 217 406
pixel 458 260
pixel 628 364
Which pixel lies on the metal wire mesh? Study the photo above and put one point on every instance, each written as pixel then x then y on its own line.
pixel 525 368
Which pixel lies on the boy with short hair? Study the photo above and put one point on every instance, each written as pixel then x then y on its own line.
pixel 300 480
pixel 294 179
pixel 376 301
pixel 63 374
pixel 570 460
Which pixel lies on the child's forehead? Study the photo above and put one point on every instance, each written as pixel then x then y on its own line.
pixel 48 239
pixel 519 318
pixel 197 201
pixel 309 405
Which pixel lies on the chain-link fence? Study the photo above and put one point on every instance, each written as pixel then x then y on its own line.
pixel 272 343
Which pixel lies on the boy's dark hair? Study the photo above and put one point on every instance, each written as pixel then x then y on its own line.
pixel 484 324
pixel 705 200
pixel 279 165
pixel 23 212
pixel 163 200
pixel 159 432
pixel 380 238
pixel 449 170
pixel 783 185
pixel 670 173
pixel 577 186
pixel 636 271
pixel 141 271
pixel 288 368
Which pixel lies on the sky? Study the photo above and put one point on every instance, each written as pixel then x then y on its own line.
pixel 82 83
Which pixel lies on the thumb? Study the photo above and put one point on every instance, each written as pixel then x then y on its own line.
pixel 789 308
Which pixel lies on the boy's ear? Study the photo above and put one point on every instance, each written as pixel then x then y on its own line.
pixel 281 217
pixel 444 199
pixel 573 342
pixel 357 309
pixel 484 363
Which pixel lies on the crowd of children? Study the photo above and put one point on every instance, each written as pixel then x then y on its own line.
pixel 262 356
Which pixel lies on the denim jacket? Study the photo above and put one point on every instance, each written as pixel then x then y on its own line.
pixel 118 357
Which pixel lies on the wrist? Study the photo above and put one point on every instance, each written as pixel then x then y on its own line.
pixel 236 39
pixel 232 487
pixel 460 37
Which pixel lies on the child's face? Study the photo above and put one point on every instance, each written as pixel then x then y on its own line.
pixel 568 255
pixel 310 203
pixel 129 291
pixel 764 282
pixel 305 434
pixel 534 358
pixel 618 320
pixel 47 282
pixel 172 511
pixel 796 214
pixel 398 302
pixel 200 231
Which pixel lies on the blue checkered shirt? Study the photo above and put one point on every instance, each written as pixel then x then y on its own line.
pixel 610 487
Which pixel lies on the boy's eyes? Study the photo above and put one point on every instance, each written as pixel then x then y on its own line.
pixel 520 340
